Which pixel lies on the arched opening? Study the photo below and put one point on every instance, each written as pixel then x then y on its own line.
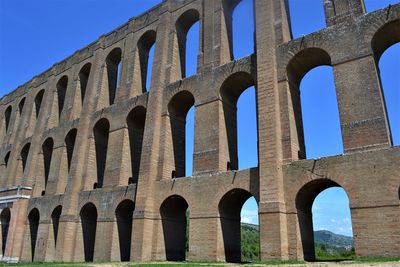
pixel 5 218
pixel 315 17
pixel 83 79
pixel 124 214
pixel 47 149
pixel 250 231
pixel 146 47
pixel 21 106
pixel 178 109
pixel 230 91
pixel 33 219
pixel 243 29
pixel 6 158
pixel 70 145
pixel 174 212
pixel 136 122
pixel 61 93
pixel 88 217
pixel 323 205
pixel 188 32
pixel 101 132
pixel 230 207
pixel 315 105
pixel 38 101
pixel 55 220
pixel 113 62
pixel 239 23
pixel 24 155
pixel 7 115
pixel 386 47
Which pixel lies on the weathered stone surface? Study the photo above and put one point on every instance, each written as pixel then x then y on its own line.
pixel 101 163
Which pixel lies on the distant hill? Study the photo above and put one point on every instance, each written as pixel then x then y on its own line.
pixel 328 245
pixel 329 238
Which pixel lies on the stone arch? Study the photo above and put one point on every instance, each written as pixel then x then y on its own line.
pixel 145 43
pixel 21 105
pixel 113 62
pixel 55 220
pixel 7 116
pixel 6 158
pixel 386 36
pixel 88 216
pixel 84 74
pixel 62 86
pixel 230 91
pixel 183 25
pixel 297 68
pixel 38 101
pixel 70 139
pixel 178 109
pixel 136 123
pixel 124 214
pixel 229 7
pixel 33 219
pixel 24 155
pixel 5 217
pixel 47 150
pixel 229 209
pixel 101 133
pixel 304 201
pixel 174 223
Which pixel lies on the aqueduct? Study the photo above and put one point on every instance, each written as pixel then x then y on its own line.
pixel 90 154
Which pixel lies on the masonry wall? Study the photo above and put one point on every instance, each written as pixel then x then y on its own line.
pixel 101 162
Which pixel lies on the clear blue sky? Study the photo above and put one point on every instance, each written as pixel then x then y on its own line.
pixel 36 34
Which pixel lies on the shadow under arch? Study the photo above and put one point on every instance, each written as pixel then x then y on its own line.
pixel 5 217
pixel 55 220
pixel 33 219
pixel 145 43
pixel 178 109
pixel 229 209
pixel 183 24
pixel 304 201
pixel 173 215
pixel 230 91
pixel 88 216
pixel 386 36
pixel 124 214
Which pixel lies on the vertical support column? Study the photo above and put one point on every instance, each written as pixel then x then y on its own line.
pixel 17 229
pixel 104 240
pixel 338 11
pixel 118 163
pixel 211 148
pixel 361 105
pixel 271 29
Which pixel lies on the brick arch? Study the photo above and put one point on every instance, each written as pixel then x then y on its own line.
pixel 136 121
pixel 124 214
pixel 183 25
pixel 62 86
pixel 178 108
pixel 101 135
pixel 304 200
pixel 55 221
pixel 144 44
pixel 230 91
pixel 33 221
pixel 173 216
pixel 6 158
pixel 7 117
pixel 38 101
pixel 21 105
pixel 70 141
pixel 47 151
pixel 384 37
pixel 83 76
pixel 5 217
pixel 88 218
pixel 113 61
pixel 229 207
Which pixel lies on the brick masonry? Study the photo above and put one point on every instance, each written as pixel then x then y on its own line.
pixel 93 170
